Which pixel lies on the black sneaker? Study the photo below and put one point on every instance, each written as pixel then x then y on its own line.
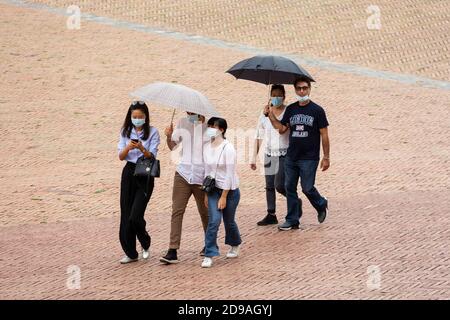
pixel 323 214
pixel 170 257
pixel 269 219
pixel 287 226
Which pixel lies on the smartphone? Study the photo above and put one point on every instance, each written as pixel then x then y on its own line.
pixel 135 140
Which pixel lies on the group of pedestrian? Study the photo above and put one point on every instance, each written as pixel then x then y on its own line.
pixel 292 136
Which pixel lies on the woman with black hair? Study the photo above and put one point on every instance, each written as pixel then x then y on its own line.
pixel 137 139
pixel 220 163
pixel 275 151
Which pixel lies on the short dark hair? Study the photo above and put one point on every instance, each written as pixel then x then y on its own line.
pixel 302 79
pixel 278 87
pixel 221 123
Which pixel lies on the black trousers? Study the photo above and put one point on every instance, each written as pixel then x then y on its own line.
pixel 133 203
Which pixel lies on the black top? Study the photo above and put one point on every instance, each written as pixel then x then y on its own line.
pixel 305 123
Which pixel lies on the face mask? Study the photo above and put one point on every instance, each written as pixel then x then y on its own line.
pixel 193 117
pixel 212 132
pixel 303 99
pixel 138 122
pixel 276 101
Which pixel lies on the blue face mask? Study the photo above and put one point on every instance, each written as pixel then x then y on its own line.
pixel 193 117
pixel 138 122
pixel 276 101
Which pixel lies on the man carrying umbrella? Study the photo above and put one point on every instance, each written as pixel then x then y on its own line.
pixel 189 133
pixel 308 124
pixel 188 178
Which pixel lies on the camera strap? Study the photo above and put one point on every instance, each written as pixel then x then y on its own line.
pixel 217 166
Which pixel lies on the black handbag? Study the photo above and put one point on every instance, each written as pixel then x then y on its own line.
pixel 209 183
pixel 147 167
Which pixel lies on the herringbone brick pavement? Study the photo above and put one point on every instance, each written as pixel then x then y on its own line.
pixel 413 38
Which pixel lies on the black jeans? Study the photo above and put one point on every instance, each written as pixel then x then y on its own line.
pixel 133 203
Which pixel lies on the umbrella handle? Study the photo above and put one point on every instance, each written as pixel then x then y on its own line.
pixel 171 122
pixel 173 115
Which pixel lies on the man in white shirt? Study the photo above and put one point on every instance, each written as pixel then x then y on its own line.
pixel 188 178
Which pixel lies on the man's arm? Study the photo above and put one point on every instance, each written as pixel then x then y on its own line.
pixel 325 163
pixel 275 122
pixel 168 132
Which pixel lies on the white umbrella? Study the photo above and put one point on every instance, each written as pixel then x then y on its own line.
pixel 176 96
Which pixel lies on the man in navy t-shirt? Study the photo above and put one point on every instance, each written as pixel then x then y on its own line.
pixel 308 124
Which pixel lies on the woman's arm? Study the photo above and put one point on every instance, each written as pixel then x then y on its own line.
pixel 223 200
pixel 124 152
pixel 255 153
pixel 230 183
pixel 260 128
pixel 155 141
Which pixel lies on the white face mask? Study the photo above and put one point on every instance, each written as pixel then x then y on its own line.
pixel 212 132
pixel 138 122
pixel 303 99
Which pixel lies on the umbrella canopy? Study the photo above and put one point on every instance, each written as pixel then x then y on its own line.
pixel 176 96
pixel 269 70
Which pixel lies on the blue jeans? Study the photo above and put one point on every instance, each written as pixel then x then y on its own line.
pixel 305 170
pixel 232 235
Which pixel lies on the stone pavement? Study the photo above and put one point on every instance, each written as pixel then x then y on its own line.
pixel 63 96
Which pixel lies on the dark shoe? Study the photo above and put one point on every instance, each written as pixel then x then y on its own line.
pixel 321 215
pixel 170 257
pixel 269 219
pixel 287 226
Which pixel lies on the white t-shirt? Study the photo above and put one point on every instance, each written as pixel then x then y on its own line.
pixel 192 139
pixel 226 172
pixel 276 144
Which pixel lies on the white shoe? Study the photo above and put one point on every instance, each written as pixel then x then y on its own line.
pixel 207 262
pixel 127 259
pixel 234 252
pixel 145 254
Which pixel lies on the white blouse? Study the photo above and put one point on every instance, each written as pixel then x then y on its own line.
pixel 226 172
pixel 276 144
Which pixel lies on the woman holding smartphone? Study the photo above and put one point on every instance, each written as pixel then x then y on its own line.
pixel 137 139
pixel 220 163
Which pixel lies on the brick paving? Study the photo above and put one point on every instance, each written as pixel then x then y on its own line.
pixel 63 96
pixel 413 38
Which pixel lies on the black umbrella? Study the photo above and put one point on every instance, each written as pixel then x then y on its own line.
pixel 269 70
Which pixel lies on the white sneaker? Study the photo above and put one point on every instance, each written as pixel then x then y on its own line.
pixel 234 252
pixel 145 254
pixel 127 259
pixel 207 262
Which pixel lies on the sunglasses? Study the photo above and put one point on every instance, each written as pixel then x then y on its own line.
pixel 137 102
pixel 301 88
